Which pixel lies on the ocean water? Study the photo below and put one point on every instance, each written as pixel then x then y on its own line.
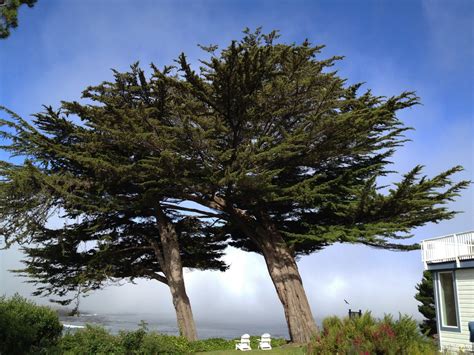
pixel 226 329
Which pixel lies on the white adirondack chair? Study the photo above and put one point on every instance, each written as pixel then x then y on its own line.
pixel 244 344
pixel 265 342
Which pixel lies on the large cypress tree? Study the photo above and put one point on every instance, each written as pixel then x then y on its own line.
pixel 85 161
pixel 290 156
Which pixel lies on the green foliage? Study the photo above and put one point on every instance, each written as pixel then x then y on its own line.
pixel 131 341
pixel 91 340
pixel 425 296
pixel 9 15
pixel 292 147
pixel 265 136
pixel 97 340
pixel 154 343
pixel 111 194
pixel 368 335
pixel 212 344
pixel 348 336
pixel 27 328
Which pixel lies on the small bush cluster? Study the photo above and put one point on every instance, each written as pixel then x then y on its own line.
pixel 27 328
pixel 96 340
pixel 366 335
pixel 91 340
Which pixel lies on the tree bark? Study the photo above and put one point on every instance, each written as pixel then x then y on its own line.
pixel 284 273
pixel 170 260
pixel 283 270
pixel 184 313
pixel 281 265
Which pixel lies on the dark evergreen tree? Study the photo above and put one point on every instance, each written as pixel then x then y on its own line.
pixel 75 260
pixel 9 14
pixel 91 171
pixel 290 156
pixel 425 296
pixel 268 143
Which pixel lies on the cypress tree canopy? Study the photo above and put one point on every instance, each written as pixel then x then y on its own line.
pixel 87 168
pixel 276 133
pixel 269 128
pixel 265 145
pixel 9 15
pixel 90 255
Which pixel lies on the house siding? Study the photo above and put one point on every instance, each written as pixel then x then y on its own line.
pixel 452 340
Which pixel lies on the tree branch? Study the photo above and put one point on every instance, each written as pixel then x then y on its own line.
pixel 180 208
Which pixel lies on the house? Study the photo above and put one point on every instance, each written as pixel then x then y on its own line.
pixel 451 260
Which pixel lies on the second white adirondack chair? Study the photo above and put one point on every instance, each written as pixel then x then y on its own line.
pixel 244 344
pixel 265 342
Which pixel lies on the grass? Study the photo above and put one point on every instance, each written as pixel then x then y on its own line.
pixel 285 349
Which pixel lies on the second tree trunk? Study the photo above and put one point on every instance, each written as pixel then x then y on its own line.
pixel 284 273
pixel 170 259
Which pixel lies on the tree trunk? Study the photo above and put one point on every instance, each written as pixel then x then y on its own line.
pixel 284 272
pixel 170 261
pixel 281 265
pixel 184 313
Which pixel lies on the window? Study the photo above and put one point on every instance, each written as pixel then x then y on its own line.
pixel 447 293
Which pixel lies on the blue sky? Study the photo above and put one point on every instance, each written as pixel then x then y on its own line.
pixel 60 47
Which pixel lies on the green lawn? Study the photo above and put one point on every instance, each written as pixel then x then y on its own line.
pixel 287 349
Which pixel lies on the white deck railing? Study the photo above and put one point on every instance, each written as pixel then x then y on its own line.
pixel 453 247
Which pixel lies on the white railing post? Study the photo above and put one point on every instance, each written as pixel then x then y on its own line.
pixel 456 250
pixel 423 256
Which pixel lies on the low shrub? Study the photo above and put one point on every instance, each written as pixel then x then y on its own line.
pixel 154 343
pixel 91 340
pixel 212 344
pixel 27 328
pixel 366 335
pixel 131 341
pixel 97 340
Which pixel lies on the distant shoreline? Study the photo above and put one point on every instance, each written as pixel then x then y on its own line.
pixel 206 329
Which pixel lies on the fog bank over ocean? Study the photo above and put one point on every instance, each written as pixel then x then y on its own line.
pixel 245 294
pixel 226 328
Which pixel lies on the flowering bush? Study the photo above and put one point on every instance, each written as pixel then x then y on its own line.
pixel 366 335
